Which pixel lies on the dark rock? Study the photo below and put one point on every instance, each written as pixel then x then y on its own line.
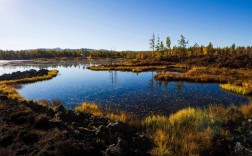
pixel 21 120
pixel 118 127
pixel 122 144
pixel 69 147
pixel 86 130
pixel 6 140
pixel 102 128
pixel 121 149
pixel 96 124
pixel 28 137
pixel 70 115
pixel 50 112
pixel 57 123
pixel 22 151
pixel 4 98
pixel 60 109
pixel 42 122
pixel 20 117
pixel 60 116
pixel 82 116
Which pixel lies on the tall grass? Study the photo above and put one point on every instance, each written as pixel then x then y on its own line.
pixel 89 108
pixel 117 115
pixel 236 89
pixel 189 131
pixel 10 92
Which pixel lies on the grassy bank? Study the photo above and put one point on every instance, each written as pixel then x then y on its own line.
pixel 115 115
pixel 127 68
pixel 235 80
pixel 189 131
pixel 237 89
pixel 7 87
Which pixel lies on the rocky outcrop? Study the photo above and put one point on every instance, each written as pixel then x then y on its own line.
pixel 24 74
pixel 31 129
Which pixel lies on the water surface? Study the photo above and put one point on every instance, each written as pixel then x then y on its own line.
pixel 137 93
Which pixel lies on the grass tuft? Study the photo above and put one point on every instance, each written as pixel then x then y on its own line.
pixel 89 108
pixel 236 89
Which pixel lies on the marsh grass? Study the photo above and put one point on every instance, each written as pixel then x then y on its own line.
pixel 208 74
pixel 7 87
pixel 51 74
pixel 128 68
pixel 235 80
pixel 10 92
pixel 189 131
pixel 246 110
pixel 115 115
pixel 237 89
pixel 89 108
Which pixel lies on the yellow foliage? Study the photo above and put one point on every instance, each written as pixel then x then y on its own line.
pixel 9 91
pixel 246 110
pixel 237 89
pixel 89 108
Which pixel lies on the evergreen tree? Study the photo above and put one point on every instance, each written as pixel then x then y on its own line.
pixel 182 42
pixel 152 42
pixel 168 42
pixel 158 44
pixel 161 48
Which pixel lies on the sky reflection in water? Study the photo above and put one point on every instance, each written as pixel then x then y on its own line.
pixel 137 93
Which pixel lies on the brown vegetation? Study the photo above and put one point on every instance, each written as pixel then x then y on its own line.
pixel 239 80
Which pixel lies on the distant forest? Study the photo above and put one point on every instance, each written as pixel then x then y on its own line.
pixel 230 56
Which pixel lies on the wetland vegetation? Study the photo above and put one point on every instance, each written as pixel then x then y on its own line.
pixel 174 96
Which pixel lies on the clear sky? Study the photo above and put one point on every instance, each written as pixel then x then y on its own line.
pixel 122 24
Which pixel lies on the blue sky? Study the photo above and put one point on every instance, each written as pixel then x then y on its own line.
pixel 122 24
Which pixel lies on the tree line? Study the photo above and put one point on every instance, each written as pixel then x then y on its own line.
pixel 159 50
pixel 51 53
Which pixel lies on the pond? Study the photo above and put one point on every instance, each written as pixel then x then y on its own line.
pixel 136 93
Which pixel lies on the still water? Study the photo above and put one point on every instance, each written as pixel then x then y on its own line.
pixel 136 93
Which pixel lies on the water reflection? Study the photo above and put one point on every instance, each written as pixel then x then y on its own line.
pixel 137 93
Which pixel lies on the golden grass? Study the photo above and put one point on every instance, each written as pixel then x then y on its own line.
pixel 7 89
pixel 189 131
pixel 237 89
pixel 246 110
pixel 239 79
pixel 127 68
pixel 89 108
pixel 121 116
pixel 208 74
pixel 10 92
pixel 186 132
pixel 51 74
